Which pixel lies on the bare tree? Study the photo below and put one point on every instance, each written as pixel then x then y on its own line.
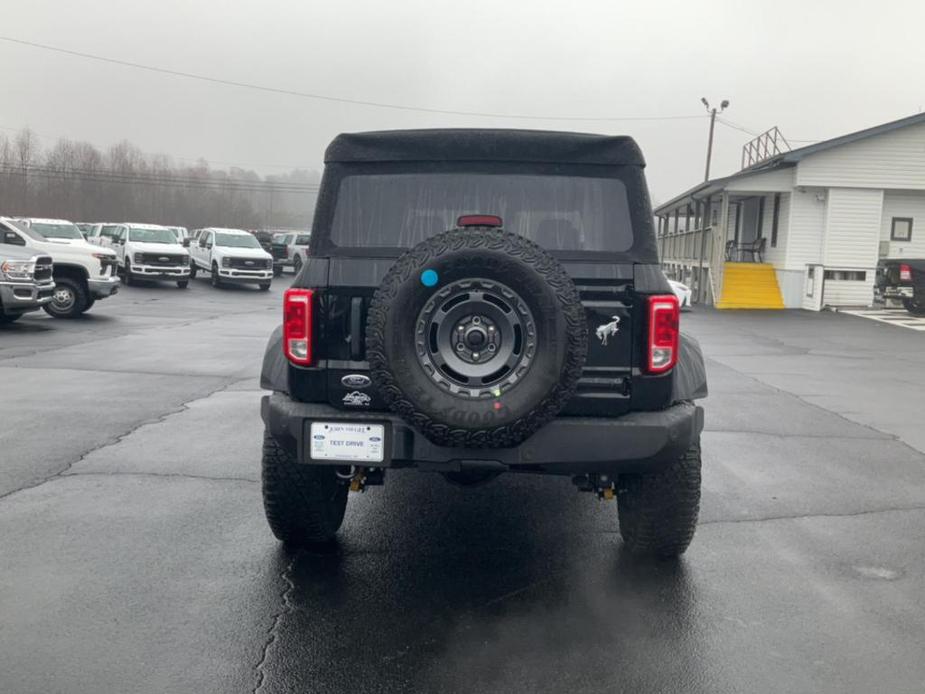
pixel 77 181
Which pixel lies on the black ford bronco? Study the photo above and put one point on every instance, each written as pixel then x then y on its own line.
pixel 478 302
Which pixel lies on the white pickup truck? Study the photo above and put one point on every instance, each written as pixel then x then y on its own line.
pixel 150 252
pixel 82 272
pixel 231 256
pixel 26 282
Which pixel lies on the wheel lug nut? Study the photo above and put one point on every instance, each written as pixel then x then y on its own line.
pixel 491 348
pixel 475 355
pixel 476 320
pixel 460 347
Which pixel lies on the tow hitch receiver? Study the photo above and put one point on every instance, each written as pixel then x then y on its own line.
pixel 361 477
pixel 603 485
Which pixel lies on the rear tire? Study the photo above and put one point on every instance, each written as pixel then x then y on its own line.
pixel 7 318
pixel 304 504
pixel 277 270
pixel 915 305
pixel 183 284
pixel 658 512
pixel 193 270
pixel 265 286
pixel 70 298
pixel 297 265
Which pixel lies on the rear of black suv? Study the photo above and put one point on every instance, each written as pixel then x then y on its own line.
pixel 478 302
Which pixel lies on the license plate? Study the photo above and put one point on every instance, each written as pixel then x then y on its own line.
pixel 350 442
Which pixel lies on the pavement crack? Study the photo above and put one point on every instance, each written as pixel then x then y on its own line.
pixel 166 475
pixel 817 406
pixel 809 516
pixel 182 407
pixel 286 607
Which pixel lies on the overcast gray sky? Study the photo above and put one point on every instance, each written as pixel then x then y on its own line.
pixel 816 69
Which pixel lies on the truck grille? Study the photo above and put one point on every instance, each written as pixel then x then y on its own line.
pixel 163 259
pixel 43 268
pixel 250 263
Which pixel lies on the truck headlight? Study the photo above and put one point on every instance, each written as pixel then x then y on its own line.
pixel 138 259
pixel 17 269
pixel 226 262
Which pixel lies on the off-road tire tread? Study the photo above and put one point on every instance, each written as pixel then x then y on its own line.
pixel 915 305
pixel 658 512
pixel 304 504
pixel 488 238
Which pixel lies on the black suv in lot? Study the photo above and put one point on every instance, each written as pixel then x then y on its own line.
pixel 478 302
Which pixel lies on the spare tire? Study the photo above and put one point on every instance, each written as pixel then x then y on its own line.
pixel 476 337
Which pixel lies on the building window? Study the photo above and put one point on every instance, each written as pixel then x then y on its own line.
pixel 846 275
pixel 901 229
pixel 775 221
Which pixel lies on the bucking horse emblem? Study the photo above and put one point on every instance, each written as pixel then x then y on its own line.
pixel 608 330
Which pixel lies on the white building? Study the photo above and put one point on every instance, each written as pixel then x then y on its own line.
pixel 825 212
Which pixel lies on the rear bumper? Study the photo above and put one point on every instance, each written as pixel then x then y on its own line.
pixel 635 442
pixel 22 297
pixel 897 292
pixel 102 287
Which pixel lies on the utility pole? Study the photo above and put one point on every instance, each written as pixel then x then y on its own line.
pixel 712 111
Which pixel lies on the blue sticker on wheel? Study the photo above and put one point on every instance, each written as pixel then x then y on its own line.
pixel 429 278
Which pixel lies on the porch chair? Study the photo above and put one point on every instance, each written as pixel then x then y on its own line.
pixel 756 248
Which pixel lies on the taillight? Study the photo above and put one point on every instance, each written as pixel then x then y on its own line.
pixel 664 331
pixel 905 273
pixel 479 220
pixel 297 325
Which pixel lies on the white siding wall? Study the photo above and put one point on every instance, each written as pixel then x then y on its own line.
pixel 852 228
pixel 904 204
pixel 852 235
pixel 849 293
pixel 892 160
pixel 805 228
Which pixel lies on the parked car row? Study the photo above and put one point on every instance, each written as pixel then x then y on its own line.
pixel 81 273
pixel 55 265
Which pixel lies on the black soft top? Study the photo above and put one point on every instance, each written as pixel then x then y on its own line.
pixel 476 144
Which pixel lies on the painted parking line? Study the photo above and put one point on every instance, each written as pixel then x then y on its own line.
pixel 893 316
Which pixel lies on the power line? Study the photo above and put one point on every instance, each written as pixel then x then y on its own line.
pixel 728 123
pixel 334 99
pixel 735 126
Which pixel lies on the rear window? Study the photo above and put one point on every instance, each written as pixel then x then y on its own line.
pixel 563 213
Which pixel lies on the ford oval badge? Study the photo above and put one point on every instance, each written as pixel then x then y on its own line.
pixel 355 381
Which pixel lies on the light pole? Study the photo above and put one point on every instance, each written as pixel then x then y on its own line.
pixel 712 111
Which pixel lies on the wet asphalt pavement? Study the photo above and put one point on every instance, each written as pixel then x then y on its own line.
pixel 134 556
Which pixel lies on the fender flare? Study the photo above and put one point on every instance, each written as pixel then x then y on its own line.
pixel 690 374
pixel 274 374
